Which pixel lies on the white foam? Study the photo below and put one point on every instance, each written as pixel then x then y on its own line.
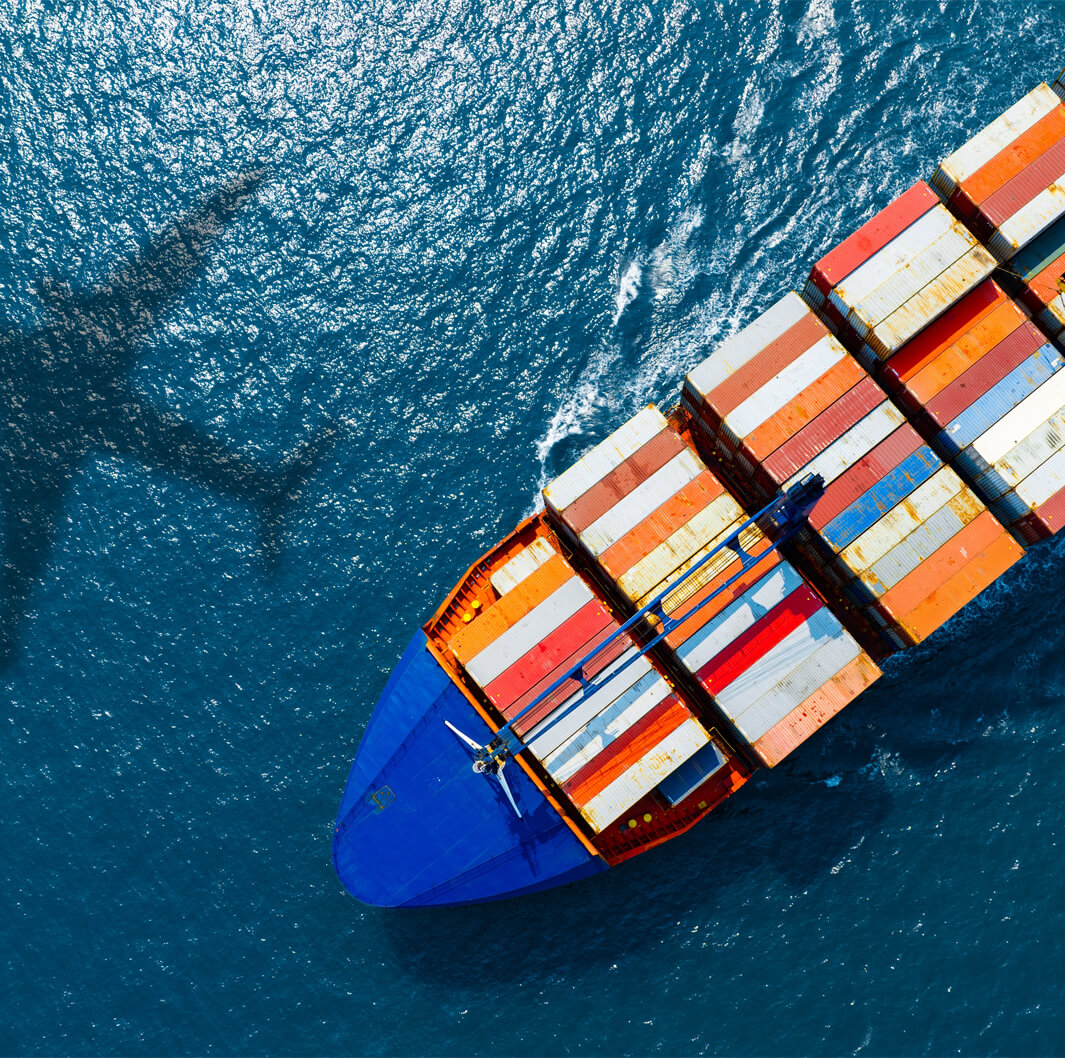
pixel 628 288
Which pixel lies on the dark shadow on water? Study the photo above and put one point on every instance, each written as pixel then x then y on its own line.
pixel 795 828
pixel 65 394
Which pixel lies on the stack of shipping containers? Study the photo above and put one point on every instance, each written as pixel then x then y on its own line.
pixel 606 745
pixel 1036 276
pixel 896 529
pixel 1008 182
pixel 985 386
pixel 754 635
pixel 896 274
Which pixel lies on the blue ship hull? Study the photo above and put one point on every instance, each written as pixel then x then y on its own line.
pixel 418 827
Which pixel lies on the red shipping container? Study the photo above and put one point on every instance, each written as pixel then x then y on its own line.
pixel 769 362
pixel 769 630
pixel 990 369
pixel 798 412
pixel 855 482
pixel 579 651
pixel 616 485
pixel 873 236
pixel 1019 191
pixel 827 427
pixel 546 657
pixel 1047 519
pixel 954 324
pixel 616 758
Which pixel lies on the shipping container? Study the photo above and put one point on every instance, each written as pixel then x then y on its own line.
pixel 777 662
pixel 644 506
pixel 1008 181
pixel 896 275
pixel 649 527
pixel 872 237
pixel 527 561
pixel 746 635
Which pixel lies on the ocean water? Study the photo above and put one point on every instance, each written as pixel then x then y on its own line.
pixel 301 305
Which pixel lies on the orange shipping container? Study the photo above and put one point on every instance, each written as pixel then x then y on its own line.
pixel 963 354
pixel 839 379
pixel 684 600
pixel 1015 157
pixel 820 707
pixel 660 524
pixel 963 586
pixel 468 642
pixel 920 603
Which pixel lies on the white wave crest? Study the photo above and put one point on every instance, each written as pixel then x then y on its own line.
pixel 628 288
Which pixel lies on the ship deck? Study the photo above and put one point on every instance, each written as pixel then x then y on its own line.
pixel 652 820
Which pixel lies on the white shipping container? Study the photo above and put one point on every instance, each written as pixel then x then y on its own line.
pixel 591 468
pixel 1046 439
pixel 744 346
pixel 562 723
pixel 764 403
pixel 645 774
pixel 920 545
pixel 1043 482
pixel 735 619
pixel 900 251
pixel 643 501
pixel 1019 422
pixel 603 729
pixel 705 530
pixel 813 672
pixel 909 279
pixel 857 442
pixel 1029 220
pixel 527 561
pixel 978 151
pixel 529 630
pixel 931 302
pixel 758 680
pixel 943 487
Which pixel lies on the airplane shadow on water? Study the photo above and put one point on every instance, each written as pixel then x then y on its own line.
pixel 65 395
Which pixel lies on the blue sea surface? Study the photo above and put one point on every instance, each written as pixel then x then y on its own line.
pixel 302 305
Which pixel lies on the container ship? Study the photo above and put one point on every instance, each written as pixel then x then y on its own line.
pixel 707 587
